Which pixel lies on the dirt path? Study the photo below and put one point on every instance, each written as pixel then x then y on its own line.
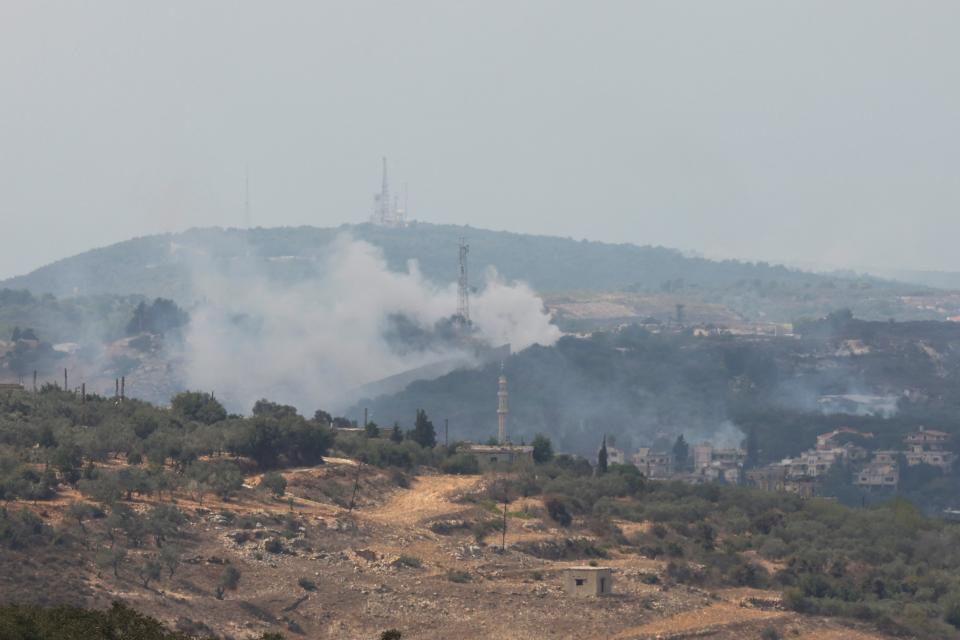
pixel 838 634
pixel 714 617
pixel 429 497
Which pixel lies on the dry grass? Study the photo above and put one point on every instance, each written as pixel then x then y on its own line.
pixel 361 590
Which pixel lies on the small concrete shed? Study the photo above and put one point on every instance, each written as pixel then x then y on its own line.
pixel 588 581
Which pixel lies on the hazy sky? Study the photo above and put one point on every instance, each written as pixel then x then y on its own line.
pixel 788 131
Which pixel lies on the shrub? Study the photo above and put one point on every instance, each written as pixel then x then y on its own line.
pixel 119 621
pixel 482 528
pixel 461 464
pixel 794 600
pixel 562 549
pixel 22 529
pixel 770 633
pixel 558 512
pixel 399 478
pixel 201 407
pixel 405 455
pixel 773 549
pixel 650 551
pixel 749 575
pixel 455 575
pixel 682 572
pixel 408 561
pixel 952 613
pixel 273 545
pixel 275 483
pixel 151 570
pixel 307 584
pixel 731 568
pixel 229 581
pixel 446 527
pixel 241 537
pixel 542 449
pixel 391 634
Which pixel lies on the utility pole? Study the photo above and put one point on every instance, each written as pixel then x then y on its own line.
pixel 446 432
pixel 503 541
pixel 65 386
pixel 34 380
pixel 123 388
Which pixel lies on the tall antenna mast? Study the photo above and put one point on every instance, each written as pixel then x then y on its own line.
pixel 463 285
pixel 385 192
pixel 386 210
pixel 246 196
pixel 400 214
pixel 381 212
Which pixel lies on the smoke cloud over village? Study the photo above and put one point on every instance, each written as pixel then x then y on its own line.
pixel 309 342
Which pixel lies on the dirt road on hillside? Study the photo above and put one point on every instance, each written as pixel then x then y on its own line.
pixel 713 617
pixel 428 497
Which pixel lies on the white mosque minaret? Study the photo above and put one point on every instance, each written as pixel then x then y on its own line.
pixel 503 455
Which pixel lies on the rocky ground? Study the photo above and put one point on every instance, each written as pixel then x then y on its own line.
pixel 404 559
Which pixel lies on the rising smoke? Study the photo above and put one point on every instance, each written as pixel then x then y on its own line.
pixel 307 343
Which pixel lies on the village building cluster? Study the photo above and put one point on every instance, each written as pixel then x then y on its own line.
pixel 710 464
pixel 804 474
pixel 871 468
pixel 874 470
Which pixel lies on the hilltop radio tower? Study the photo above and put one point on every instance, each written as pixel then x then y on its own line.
pixel 246 196
pixel 387 212
pixel 463 286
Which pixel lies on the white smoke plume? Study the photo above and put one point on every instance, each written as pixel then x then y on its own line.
pixel 308 343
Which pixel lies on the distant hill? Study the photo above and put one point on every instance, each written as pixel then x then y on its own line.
pixel 159 265
pixel 949 280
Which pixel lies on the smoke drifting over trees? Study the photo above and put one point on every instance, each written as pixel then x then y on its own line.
pixel 308 342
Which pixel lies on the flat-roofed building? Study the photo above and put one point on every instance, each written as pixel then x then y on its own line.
pixel 928 446
pixel 584 582
pixel 878 475
pixel 499 456
pixel 615 456
pixel 653 464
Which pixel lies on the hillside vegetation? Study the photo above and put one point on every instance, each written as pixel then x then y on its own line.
pixel 159 266
pixel 107 500
pixel 587 284
pixel 642 387
pixel 73 319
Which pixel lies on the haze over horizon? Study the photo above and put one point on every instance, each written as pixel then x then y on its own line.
pixel 827 130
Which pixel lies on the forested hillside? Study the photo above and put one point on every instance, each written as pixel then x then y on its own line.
pixel 160 265
pixel 89 318
pixel 645 389
pixel 246 527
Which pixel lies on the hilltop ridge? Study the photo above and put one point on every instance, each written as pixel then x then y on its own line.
pixel 159 265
